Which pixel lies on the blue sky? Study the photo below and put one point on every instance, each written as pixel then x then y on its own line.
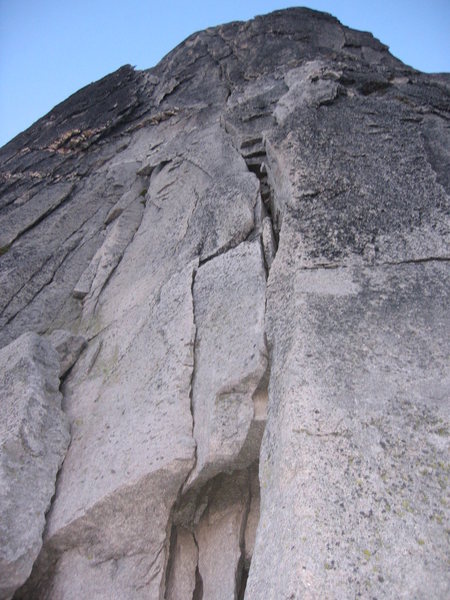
pixel 51 48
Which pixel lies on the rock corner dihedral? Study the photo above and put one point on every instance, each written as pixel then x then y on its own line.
pixel 224 326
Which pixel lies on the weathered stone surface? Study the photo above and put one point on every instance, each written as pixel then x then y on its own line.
pixel 358 373
pixel 68 346
pixel 231 360
pixel 40 205
pixel 312 85
pixel 255 230
pixel 79 576
pixel 140 454
pixel 182 580
pixel 356 444
pixel 219 536
pixel 33 440
pixel 108 256
pixel 131 435
pixel 251 525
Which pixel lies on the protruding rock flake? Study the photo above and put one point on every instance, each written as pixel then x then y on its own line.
pixel 230 359
pixel 225 281
pixel 69 347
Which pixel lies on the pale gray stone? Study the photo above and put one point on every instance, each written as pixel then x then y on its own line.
pixel 109 255
pixel 219 537
pixel 251 525
pixel 80 576
pixel 34 436
pixel 26 214
pixel 182 580
pixel 268 239
pixel 256 232
pixel 69 347
pixel 231 359
pixel 311 85
pixel 131 434
pixel 353 460
pixel 146 451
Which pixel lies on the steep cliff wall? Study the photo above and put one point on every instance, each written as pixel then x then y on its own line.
pixel 237 264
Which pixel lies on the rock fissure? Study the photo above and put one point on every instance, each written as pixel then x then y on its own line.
pixel 7 240
pixel 47 281
pixel 344 433
pixel 109 256
pixel 252 150
pixel 97 291
pixel 232 245
pixel 167 592
pixel 231 501
pixel 23 286
pixel 417 261
pixel 191 384
pixel 219 62
pixel 197 594
pixel 200 500
pixel 243 566
pixel 171 540
pixel 374 264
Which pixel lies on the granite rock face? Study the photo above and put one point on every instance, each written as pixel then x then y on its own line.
pixel 34 438
pixel 241 259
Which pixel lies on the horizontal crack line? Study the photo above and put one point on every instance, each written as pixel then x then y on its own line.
pixel 344 433
pixel 410 261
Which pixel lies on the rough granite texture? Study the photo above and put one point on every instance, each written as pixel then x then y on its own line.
pixel 241 258
pixel 34 436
